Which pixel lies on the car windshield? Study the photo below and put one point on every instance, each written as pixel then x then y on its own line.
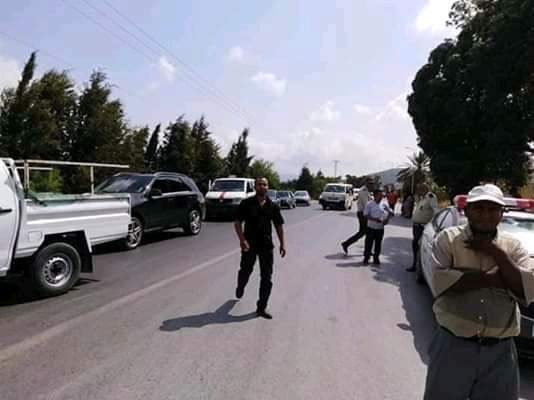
pixel 515 224
pixel 271 193
pixel 229 186
pixel 283 194
pixel 335 189
pixel 124 184
pixel 301 193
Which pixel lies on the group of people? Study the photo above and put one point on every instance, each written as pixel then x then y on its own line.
pixel 479 275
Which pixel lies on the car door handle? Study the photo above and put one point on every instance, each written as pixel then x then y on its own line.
pixel 5 210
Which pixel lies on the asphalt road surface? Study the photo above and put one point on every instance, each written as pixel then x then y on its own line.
pixel 161 322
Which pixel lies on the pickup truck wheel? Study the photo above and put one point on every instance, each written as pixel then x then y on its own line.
pixel 55 269
pixel 135 234
pixel 194 223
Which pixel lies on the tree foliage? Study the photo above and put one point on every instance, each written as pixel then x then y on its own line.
pixel 238 160
pixel 46 117
pixel 265 169
pixel 472 103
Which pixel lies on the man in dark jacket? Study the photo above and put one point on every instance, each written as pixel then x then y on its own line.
pixel 258 213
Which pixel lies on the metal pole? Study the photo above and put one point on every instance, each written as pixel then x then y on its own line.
pixel 26 175
pixel 92 176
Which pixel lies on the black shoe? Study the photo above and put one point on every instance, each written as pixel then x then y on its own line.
pixel 376 261
pixel 239 292
pixel 411 269
pixel 263 314
pixel 365 261
pixel 345 248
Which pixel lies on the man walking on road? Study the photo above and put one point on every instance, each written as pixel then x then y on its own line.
pixel 479 275
pixel 377 214
pixel 363 199
pixel 424 210
pixel 258 213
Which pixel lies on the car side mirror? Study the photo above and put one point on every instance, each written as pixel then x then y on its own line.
pixel 155 193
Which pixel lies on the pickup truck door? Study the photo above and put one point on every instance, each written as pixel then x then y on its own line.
pixel 9 217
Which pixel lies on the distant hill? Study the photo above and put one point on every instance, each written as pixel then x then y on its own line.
pixel 388 176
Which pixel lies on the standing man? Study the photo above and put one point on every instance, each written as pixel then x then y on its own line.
pixel 479 275
pixel 363 199
pixel 425 208
pixel 377 213
pixel 258 213
pixel 392 198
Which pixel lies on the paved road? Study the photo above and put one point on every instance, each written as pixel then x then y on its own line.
pixel 161 323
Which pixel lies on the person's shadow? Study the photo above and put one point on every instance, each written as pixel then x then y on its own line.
pixel 219 316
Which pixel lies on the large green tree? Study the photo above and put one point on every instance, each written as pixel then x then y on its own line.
pixel 265 169
pixel 208 164
pixel 238 160
pixel 472 103
pixel 177 149
pixel 151 152
pixel 305 180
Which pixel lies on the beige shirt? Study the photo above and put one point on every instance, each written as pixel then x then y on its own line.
pixel 488 312
pixel 425 208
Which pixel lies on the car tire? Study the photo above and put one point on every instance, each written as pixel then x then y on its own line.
pixel 194 222
pixel 136 231
pixel 54 269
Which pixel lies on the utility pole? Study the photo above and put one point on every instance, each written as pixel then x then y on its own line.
pixel 336 162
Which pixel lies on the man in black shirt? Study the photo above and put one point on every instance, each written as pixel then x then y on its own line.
pixel 258 213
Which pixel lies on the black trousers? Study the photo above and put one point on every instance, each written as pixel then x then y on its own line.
pixel 362 221
pixel 248 259
pixel 373 237
pixel 417 231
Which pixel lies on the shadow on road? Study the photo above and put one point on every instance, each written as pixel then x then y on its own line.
pixel 15 292
pixel 339 256
pixel 416 298
pixel 351 214
pixel 219 316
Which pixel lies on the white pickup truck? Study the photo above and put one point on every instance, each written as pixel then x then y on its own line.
pixel 48 241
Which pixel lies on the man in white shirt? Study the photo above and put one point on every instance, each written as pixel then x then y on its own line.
pixel 363 199
pixel 377 214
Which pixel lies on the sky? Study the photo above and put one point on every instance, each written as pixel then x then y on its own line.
pixel 315 81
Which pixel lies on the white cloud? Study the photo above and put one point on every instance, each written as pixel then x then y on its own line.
pixel 236 54
pixel 326 113
pixel 167 69
pixel 361 109
pixel 270 83
pixel 432 18
pixel 397 108
pixel 9 72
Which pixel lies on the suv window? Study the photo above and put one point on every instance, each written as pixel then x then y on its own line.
pixel 250 187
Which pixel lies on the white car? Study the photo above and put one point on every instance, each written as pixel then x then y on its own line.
pixel 518 223
pixel 50 239
pixel 302 197
pixel 226 194
pixel 337 195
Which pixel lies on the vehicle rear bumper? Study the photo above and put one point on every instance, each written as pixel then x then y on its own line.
pixel 214 209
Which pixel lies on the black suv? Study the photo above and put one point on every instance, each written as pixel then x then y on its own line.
pixel 161 200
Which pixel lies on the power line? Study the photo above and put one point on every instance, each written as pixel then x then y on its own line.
pixel 217 99
pixel 187 67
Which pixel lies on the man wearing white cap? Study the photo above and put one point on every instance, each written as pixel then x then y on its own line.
pixel 479 275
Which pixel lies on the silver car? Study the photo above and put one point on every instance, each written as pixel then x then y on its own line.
pixel 302 197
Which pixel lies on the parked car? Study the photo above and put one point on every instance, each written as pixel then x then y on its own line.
pixel 160 201
pixel 48 240
pixel 272 194
pixel 302 197
pixel 516 222
pixel 226 194
pixel 337 195
pixel 286 199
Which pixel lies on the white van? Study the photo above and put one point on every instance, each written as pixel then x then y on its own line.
pixel 337 195
pixel 226 194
